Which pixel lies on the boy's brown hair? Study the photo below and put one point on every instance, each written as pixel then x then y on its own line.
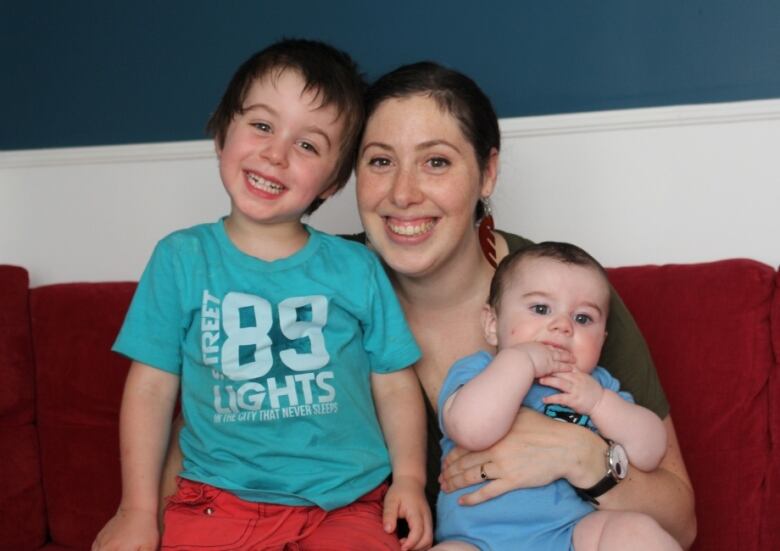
pixel 330 73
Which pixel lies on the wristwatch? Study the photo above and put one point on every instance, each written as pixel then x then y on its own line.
pixel 617 469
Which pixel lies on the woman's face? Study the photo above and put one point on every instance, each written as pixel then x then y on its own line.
pixel 418 183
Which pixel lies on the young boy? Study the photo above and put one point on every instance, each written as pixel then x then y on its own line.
pixel 279 335
pixel 546 314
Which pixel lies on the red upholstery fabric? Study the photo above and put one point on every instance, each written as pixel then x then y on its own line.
pixel 708 329
pixel 79 386
pixel 22 513
pixel 771 532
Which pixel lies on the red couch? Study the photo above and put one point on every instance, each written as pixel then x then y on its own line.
pixel 714 331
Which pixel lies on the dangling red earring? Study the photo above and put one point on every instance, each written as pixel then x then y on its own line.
pixel 486 238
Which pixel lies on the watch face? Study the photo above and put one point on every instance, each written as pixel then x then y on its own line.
pixel 618 461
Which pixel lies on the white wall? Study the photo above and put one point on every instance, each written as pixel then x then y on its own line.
pixel 660 185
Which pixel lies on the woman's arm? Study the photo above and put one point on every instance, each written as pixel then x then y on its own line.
pixel 539 450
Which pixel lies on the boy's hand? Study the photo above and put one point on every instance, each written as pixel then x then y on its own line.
pixel 129 530
pixel 579 390
pixel 546 359
pixel 406 499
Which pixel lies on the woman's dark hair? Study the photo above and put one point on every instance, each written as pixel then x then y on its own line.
pixel 454 92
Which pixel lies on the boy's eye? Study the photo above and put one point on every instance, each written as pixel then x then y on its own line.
pixel 262 126
pixel 582 319
pixel 438 162
pixel 308 146
pixel 541 309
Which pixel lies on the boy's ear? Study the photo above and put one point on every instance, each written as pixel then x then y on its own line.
pixel 217 149
pixel 329 191
pixel 489 324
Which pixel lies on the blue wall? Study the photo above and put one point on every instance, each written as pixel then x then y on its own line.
pixel 88 72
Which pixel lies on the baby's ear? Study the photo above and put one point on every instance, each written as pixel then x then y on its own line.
pixel 489 324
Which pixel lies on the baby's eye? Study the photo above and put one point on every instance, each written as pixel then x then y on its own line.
pixel 438 162
pixel 541 309
pixel 262 126
pixel 583 319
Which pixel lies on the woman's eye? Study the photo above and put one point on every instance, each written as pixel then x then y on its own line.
pixel 438 162
pixel 541 309
pixel 379 162
pixel 583 319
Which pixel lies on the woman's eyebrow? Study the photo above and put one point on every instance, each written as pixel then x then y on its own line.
pixel 433 143
pixel 380 145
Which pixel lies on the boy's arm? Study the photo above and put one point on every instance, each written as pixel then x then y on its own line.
pixel 483 410
pixel 401 413
pixel 144 425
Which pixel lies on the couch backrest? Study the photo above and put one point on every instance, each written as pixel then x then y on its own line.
pixel 22 513
pixel 708 328
pixel 79 387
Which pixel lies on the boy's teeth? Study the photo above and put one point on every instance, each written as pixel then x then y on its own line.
pixel 263 184
pixel 411 230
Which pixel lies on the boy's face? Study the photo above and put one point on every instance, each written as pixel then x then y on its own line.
pixel 281 152
pixel 547 301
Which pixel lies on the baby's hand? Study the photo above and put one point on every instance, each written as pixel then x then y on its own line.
pixel 579 390
pixel 406 499
pixel 546 359
pixel 131 530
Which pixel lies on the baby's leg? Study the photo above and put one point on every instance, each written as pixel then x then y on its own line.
pixel 619 530
pixel 453 546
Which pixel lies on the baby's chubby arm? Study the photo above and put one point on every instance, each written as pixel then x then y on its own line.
pixel 144 424
pixel 640 431
pixel 399 405
pixel 482 411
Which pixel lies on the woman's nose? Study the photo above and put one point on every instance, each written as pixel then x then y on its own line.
pixel 406 189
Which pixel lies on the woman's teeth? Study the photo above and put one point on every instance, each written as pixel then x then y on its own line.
pixel 411 230
pixel 262 184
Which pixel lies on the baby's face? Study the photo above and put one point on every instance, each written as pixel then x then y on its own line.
pixel 562 305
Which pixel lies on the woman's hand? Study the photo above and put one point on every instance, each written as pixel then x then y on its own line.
pixel 536 451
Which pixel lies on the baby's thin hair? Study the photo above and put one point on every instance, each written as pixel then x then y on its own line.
pixel 565 253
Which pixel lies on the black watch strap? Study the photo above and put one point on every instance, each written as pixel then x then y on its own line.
pixel 600 488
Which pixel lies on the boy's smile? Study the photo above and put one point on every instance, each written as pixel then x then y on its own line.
pixel 280 153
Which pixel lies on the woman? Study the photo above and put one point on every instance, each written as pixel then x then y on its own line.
pixel 426 167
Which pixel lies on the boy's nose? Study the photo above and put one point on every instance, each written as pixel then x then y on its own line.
pixel 405 190
pixel 276 152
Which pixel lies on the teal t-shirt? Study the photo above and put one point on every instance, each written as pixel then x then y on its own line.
pixel 275 360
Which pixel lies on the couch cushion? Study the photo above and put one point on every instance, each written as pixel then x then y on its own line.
pixel 80 384
pixel 707 326
pixel 23 518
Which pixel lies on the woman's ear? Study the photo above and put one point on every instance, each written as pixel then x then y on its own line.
pixel 489 323
pixel 490 174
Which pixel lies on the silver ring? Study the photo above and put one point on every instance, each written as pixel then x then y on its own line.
pixel 482 474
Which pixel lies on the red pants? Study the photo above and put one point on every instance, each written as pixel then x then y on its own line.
pixel 200 516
